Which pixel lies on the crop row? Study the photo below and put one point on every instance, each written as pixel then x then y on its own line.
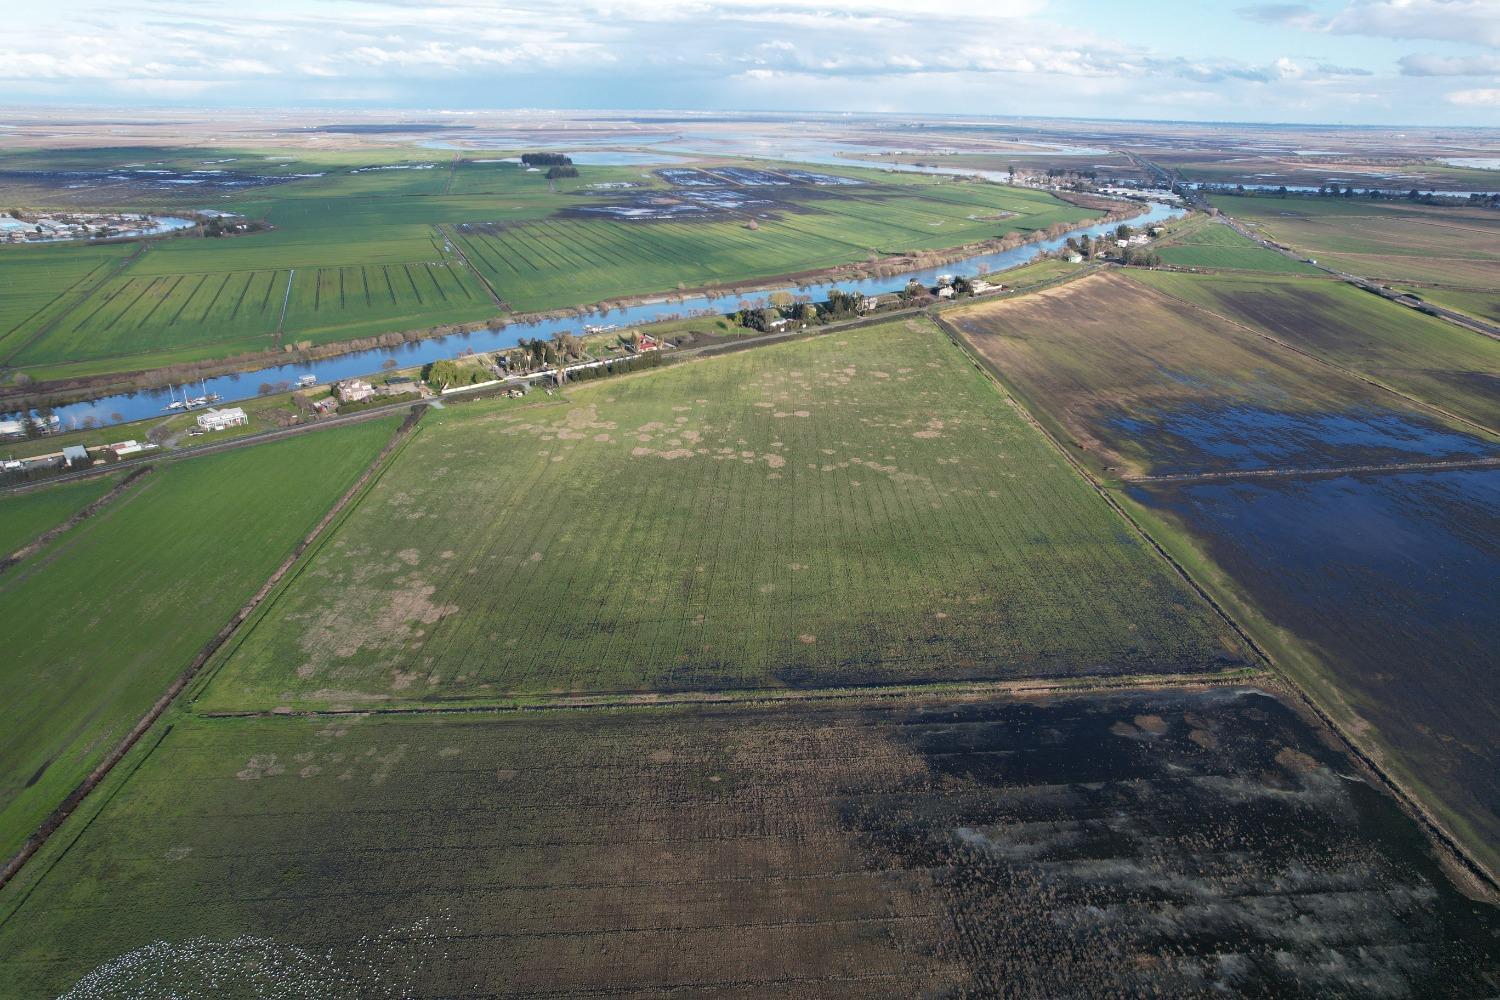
pixel 868 524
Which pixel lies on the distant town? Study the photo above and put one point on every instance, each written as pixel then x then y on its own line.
pixel 18 226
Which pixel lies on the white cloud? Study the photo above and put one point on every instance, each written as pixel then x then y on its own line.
pixel 1017 55
pixel 1483 98
pixel 1467 21
pixel 1431 65
pixel 174 90
pixel 1471 21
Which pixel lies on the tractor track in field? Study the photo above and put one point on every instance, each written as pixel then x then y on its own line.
pixel 1025 687
pixel 458 249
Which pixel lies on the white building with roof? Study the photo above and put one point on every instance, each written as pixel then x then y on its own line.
pixel 219 420
pixel 354 390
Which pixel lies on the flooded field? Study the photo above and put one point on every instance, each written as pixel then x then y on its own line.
pixel 1389 580
pixel 1141 384
pixel 124 181
pixel 1155 844
pixel 722 192
pixel 1219 437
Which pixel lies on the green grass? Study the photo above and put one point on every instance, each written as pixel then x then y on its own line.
pixel 40 281
pixel 858 507
pixel 1219 247
pixel 369 257
pixel 24 516
pixel 1483 305
pixel 1427 358
pixel 105 619
pixel 562 262
pixel 1392 240
pixel 233 312
pixel 1041 273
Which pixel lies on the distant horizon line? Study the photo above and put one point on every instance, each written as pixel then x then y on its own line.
pixel 346 109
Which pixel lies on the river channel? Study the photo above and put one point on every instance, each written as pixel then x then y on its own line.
pixel 142 404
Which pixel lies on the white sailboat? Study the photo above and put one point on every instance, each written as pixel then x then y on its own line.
pixel 175 404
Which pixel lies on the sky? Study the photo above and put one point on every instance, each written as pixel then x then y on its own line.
pixel 1382 62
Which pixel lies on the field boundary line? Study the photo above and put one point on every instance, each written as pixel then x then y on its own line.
pixel 50 825
pixel 45 538
pixel 285 301
pixel 1292 472
pixel 1351 373
pixel 1447 844
pixel 1019 687
pixel 959 342
pixel 1375 286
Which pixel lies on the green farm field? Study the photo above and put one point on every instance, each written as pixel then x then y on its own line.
pixel 1483 305
pixel 1142 387
pixel 855 508
pixel 366 241
pixel 570 261
pixel 24 516
pixel 1392 240
pixel 1219 247
pixel 1424 357
pixel 101 622
pixel 41 282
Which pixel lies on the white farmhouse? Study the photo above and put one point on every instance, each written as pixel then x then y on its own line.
pixel 354 390
pixel 219 420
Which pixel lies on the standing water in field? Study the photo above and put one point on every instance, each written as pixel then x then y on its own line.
pixel 1389 579
pixel 1215 437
